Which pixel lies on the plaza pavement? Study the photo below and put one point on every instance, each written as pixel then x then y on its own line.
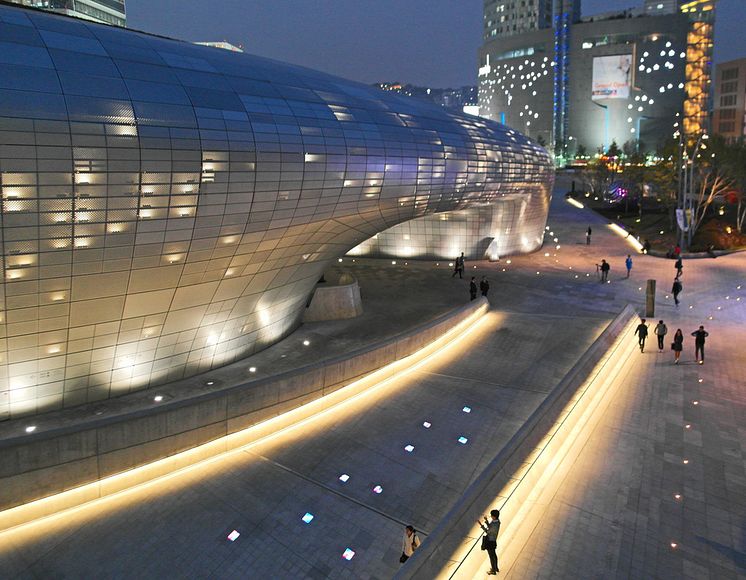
pixel 615 515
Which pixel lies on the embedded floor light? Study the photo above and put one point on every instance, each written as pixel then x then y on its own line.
pixel 688 426
pixel 393 262
pixel 210 383
pixel 253 369
pixel 466 409
pixel 427 424
pixel 695 402
pixel 158 398
pixel 462 440
pixel 233 536
pixel 348 554
pixel 685 462
pixel 409 448
pixel 700 380
pixel 307 518
pixel 306 342
pixel 674 545
pixel 378 489
pixel 344 478
pixel 30 428
pixel 677 496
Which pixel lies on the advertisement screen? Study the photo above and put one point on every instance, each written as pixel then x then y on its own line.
pixel 612 77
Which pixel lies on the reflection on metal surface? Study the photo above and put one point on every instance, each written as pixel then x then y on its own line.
pixel 215 188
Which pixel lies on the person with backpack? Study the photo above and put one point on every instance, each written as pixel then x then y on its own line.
pixel 410 543
pixel 660 332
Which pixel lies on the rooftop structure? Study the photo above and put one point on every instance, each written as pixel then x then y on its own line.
pixel 104 11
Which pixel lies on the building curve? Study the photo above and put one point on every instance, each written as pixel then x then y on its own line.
pixel 167 208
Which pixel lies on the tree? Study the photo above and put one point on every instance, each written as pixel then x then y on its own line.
pixel 581 152
pixel 597 176
pixel 712 186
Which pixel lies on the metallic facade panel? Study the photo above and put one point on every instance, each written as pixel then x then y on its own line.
pixel 167 208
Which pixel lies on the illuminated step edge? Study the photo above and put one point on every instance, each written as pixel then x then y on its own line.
pixel 517 480
pixel 138 478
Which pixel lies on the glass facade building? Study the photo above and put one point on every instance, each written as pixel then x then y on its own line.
pixel 168 208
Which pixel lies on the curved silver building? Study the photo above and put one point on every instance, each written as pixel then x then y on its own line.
pixel 167 208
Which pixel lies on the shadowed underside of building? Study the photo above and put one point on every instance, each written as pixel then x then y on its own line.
pixel 167 208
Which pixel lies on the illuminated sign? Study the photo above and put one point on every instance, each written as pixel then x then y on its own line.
pixel 612 77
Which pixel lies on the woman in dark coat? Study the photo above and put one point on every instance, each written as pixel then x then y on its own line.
pixel 678 345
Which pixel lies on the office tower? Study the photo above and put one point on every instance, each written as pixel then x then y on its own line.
pixel 729 116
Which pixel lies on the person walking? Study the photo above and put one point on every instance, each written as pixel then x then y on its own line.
pixel 660 331
pixel 699 344
pixel 491 527
pixel 484 286
pixel 588 233
pixel 642 333
pixel 473 288
pixel 679 265
pixel 676 290
pixel 677 345
pixel 459 267
pixel 605 271
pixel 410 542
pixel 628 263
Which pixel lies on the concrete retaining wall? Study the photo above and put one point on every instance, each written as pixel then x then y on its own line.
pixel 335 302
pixel 42 464
pixel 434 558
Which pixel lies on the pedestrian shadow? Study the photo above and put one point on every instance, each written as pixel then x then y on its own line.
pixel 738 558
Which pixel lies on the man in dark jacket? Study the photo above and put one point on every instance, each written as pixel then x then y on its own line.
pixel 473 288
pixel 676 290
pixel 699 344
pixel 484 286
pixel 642 332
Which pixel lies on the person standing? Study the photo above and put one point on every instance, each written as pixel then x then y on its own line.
pixel 677 345
pixel 473 288
pixel 660 331
pixel 699 344
pixel 410 542
pixel 642 333
pixel 491 527
pixel 605 271
pixel 679 265
pixel 628 263
pixel 484 286
pixel 676 290
pixel 459 266
pixel 588 233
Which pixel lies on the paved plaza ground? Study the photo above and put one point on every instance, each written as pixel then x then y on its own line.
pixel 615 516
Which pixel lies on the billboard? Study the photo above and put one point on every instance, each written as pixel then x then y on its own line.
pixel 612 77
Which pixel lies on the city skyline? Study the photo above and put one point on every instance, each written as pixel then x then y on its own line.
pixel 395 39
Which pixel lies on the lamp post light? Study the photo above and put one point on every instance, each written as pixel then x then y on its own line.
pixel 606 124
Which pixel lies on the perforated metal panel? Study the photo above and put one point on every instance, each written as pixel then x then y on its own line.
pixel 167 208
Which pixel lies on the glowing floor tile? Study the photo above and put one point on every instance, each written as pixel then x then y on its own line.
pixel 462 440
pixel 427 424
pixel 409 448
pixel 378 489
pixel 307 518
pixel 466 409
pixel 233 536
pixel 348 554
pixel 344 478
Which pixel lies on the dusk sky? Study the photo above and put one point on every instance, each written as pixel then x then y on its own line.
pixel 424 42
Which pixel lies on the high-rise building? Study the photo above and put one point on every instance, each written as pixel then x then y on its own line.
pixel 508 17
pixel 658 7
pixel 729 116
pixel 105 11
pixel 625 76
